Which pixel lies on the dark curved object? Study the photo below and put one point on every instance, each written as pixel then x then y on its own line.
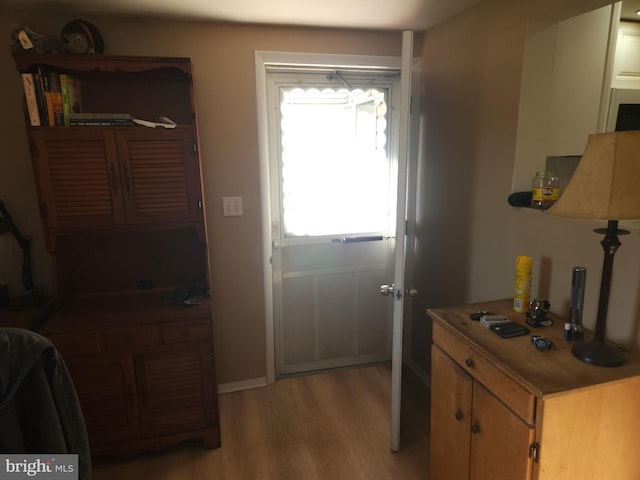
pixel 7 225
pixel 520 199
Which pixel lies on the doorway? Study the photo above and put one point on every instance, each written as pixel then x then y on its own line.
pixel 330 185
pixel 332 174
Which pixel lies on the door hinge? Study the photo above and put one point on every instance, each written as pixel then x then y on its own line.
pixel 194 146
pixel 534 451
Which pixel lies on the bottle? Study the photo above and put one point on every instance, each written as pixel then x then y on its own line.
pixel 522 294
pixel 576 300
pixel 566 336
pixel 545 190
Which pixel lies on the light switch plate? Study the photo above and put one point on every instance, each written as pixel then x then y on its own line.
pixel 232 206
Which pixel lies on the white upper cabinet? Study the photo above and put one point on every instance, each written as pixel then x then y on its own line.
pixel 563 83
pixel 626 66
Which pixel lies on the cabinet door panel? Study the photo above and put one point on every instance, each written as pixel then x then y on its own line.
pixel 500 442
pixel 176 386
pixel 106 388
pixel 451 395
pixel 160 174
pixel 78 176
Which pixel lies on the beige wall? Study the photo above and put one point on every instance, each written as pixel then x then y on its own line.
pixel 468 235
pixel 223 59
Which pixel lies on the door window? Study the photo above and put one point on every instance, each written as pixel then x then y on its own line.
pixel 335 171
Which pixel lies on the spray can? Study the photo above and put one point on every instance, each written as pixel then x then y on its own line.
pixel 522 293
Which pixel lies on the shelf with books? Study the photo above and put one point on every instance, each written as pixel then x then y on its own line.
pixel 146 88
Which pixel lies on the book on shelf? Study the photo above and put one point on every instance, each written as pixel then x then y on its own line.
pixel 46 88
pixel 40 96
pixel 100 119
pixel 31 99
pixel 102 123
pixel 100 116
pixel 71 96
pixel 56 99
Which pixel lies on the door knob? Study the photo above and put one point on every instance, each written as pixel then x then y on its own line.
pixel 387 290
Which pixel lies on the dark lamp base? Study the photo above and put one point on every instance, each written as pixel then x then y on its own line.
pixel 598 353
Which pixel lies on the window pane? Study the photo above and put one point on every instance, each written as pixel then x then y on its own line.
pixel 335 169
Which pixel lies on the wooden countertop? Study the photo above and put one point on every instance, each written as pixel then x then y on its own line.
pixel 543 373
pixel 91 312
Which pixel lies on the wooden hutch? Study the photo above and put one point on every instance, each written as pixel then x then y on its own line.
pixel 123 217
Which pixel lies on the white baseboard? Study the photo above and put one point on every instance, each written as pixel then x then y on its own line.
pixel 242 385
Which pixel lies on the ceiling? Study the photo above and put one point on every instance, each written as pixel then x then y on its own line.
pixel 415 15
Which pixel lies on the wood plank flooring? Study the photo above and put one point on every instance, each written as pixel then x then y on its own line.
pixel 326 426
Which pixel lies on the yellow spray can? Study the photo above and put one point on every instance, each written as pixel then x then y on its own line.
pixel 523 284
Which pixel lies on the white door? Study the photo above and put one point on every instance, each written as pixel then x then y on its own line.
pixel 405 193
pixel 333 179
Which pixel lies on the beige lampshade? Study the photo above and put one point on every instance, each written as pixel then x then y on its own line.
pixel 606 183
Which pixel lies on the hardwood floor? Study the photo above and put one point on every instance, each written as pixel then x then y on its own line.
pixel 326 426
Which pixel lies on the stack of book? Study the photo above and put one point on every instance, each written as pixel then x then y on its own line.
pixel 101 119
pixel 51 97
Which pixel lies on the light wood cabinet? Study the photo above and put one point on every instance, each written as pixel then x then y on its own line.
pixel 123 217
pixel 500 409
pixel 496 432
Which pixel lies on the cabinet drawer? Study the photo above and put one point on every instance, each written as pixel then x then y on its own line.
pixel 516 397
pixel 74 344
pixel 131 338
pixel 185 333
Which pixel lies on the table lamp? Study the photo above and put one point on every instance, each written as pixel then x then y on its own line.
pixel 605 186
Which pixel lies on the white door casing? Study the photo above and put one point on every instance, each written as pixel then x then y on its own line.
pixel 333 154
pixel 284 59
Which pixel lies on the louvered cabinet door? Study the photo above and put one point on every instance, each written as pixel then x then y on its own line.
pixel 160 174
pixel 106 388
pixel 78 177
pixel 176 389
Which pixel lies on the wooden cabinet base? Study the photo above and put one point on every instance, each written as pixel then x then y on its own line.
pixel 144 371
pixel 209 438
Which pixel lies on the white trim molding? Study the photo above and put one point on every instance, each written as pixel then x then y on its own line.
pixel 242 385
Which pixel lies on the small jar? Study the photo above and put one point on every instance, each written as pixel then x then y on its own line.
pixel 545 190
